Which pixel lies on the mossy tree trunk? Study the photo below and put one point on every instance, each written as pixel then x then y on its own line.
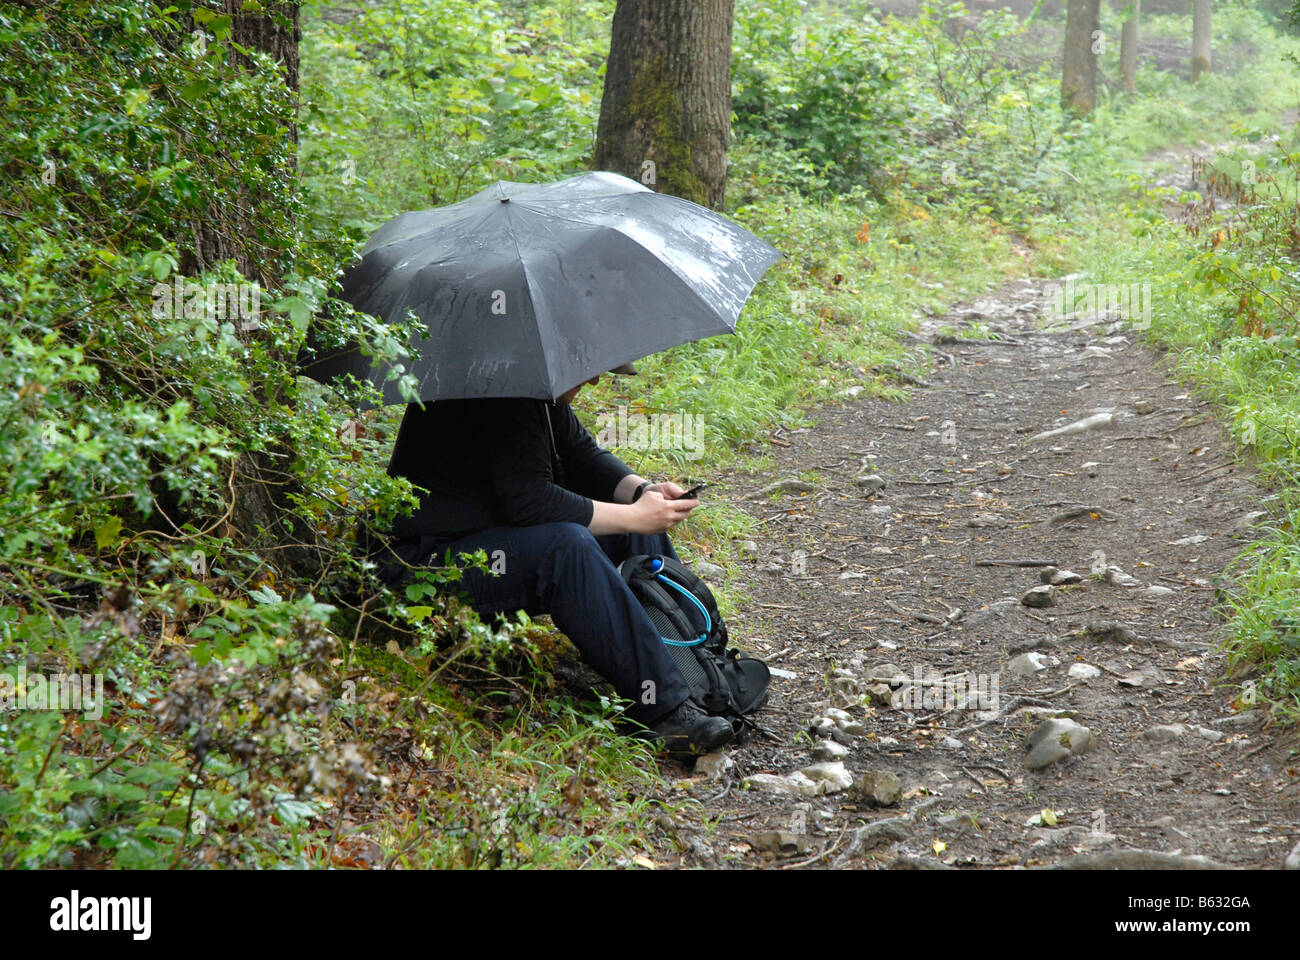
pixel 229 229
pixel 1200 38
pixel 1128 47
pixel 233 227
pixel 665 117
pixel 1079 70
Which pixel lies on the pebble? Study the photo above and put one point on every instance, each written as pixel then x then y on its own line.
pixel 1292 861
pixel 831 773
pixel 1057 837
pixel 879 833
pixel 1117 577
pixel 1164 733
pixel 713 765
pixel 1248 521
pixel 880 788
pixel 1189 541
pixel 1043 596
pixel 1109 631
pixel 1059 578
pixel 1054 740
pixel 782 843
pixel 1027 664
pixel 1155 590
pixel 871 481
pixel 958 822
pixel 705 569
pixel 829 750
pixel 879 694
pixel 840 717
pixel 1083 671
pixel 748 547
pixel 795 783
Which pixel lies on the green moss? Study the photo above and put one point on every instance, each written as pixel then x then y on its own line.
pixel 653 95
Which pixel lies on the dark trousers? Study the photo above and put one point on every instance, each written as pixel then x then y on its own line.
pixel 566 571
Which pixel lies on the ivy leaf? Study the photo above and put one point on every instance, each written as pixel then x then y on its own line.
pixel 264 594
pixel 107 532
pixel 299 312
pixel 195 89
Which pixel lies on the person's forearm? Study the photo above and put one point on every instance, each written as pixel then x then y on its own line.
pixel 611 517
pixel 626 487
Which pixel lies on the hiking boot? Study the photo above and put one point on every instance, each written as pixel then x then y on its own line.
pixel 688 730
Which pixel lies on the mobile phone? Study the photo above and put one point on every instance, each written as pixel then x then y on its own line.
pixel 693 492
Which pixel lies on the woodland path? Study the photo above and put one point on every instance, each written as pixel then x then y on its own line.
pixel 846 583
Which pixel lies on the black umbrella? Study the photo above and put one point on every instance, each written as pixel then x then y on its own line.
pixel 530 289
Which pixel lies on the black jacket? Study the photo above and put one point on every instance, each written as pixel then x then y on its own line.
pixel 489 463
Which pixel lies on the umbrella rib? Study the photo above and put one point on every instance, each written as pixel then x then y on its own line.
pixel 532 307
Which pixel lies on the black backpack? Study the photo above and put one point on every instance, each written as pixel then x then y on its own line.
pixel 682 608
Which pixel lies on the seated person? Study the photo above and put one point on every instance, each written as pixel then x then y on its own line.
pixel 524 477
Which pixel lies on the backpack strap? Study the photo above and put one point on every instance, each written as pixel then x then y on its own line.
pixel 717 700
pixel 700 591
pixel 637 573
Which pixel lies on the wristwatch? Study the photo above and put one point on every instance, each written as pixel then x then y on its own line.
pixel 642 488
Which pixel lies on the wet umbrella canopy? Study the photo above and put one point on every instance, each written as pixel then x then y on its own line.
pixel 527 290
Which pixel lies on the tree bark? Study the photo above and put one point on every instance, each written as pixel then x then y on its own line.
pixel 665 116
pixel 261 515
pixel 1128 49
pixel 1079 69
pixel 1200 38
pixel 228 231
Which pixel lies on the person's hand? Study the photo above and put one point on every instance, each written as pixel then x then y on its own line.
pixel 654 513
pixel 668 489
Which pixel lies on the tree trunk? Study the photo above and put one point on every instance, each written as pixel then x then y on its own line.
pixel 227 232
pixel 1200 38
pixel 261 515
pixel 1079 70
pixel 1128 49
pixel 665 116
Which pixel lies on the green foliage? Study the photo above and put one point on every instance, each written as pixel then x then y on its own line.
pixel 1225 304
pixel 417 104
pixel 136 402
pixel 814 83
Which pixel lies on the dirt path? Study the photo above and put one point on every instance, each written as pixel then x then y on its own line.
pixel 848 583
